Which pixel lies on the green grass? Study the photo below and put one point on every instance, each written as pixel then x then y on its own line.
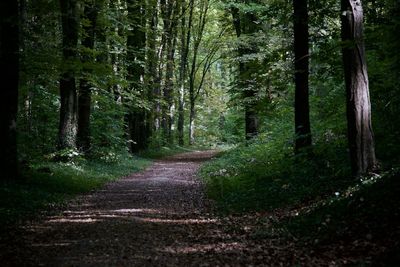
pixel 51 183
pixel 265 175
pixel 311 197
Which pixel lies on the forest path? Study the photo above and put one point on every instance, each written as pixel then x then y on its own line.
pixel 158 217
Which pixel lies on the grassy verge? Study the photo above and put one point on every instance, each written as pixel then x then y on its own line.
pixel 265 175
pixel 51 183
pixel 311 198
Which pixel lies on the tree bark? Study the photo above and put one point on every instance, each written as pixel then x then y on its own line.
pixel 68 94
pixel 170 9
pixel 9 64
pixel 245 24
pixel 192 116
pixel 301 69
pixel 151 65
pixel 85 94
pixel 360 135
pixel 198 35
pixel 186 30
pixel 136 43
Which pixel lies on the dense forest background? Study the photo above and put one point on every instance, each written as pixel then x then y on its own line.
pixel 285 88
pixel 100 77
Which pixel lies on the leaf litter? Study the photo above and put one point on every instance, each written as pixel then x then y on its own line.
pixel 158 217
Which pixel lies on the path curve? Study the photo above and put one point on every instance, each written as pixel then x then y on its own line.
pixel 158 217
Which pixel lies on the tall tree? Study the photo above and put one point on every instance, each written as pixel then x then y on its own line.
pixel 197 39
pixel 186 29
pixel 68 92
pixel 360 135
pixel 151 64
pixel 136 43
pixel 301 73
pixel 9 64
pixel 91 10
pixel 246 23
pixel 170 11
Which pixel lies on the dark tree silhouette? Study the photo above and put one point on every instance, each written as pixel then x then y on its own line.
pixel 68 92
pixel 85 94
pixel 301 68
pixel 9 64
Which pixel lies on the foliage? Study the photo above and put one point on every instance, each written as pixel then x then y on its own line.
pixel 107 127
pixel 264 173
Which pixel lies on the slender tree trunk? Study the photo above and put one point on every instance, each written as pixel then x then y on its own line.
pixel 185 43
pixel 301 69
pixel 181 115
pixel 198 35
pixel 68 94
pixel 85 94
pixel 168 92
pixel 9 64
pixel 182 75
pixel 158 83
pixel 136 43
pixel 167 88
pixel 151 72
pixel 27 94
pixel 186 30
pixel 192 116
pixel 169 10
pixel 360 135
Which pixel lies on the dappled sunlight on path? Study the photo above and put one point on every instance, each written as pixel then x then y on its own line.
pixel 158 217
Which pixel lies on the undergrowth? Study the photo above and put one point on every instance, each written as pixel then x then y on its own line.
pixel 49 183
pixel 365 214
pixel 311 197
pixel 265 174
pixel 374 199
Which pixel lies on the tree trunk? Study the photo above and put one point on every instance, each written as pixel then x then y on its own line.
pixel 168 93
pixel 181 115
pixel 151 64
pixel 360 135
pixel 245 24
pixel 251 121
pixel 197 39
pixel 169 10
pixel 301 73
pixel 9 64
pixel 182 74
pixel 136 43
pixel 68 94
pixel 85 95
pixel 185 43
pixel 192 116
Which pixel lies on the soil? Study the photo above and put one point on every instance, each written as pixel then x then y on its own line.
pixel 158 217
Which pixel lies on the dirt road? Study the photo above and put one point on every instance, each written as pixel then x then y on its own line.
pixel 158 217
